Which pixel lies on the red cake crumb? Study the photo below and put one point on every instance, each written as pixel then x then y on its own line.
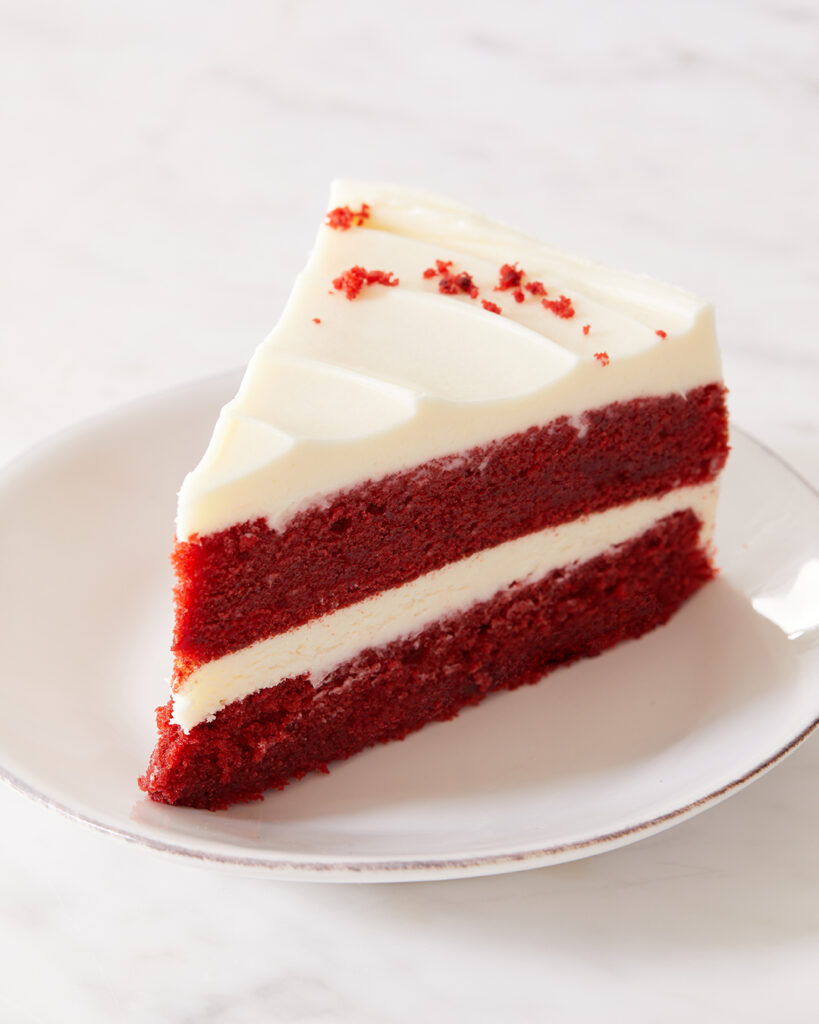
pixel 586 328
pixel 384 277
pixel 518 295
pixel 602 358
pixel 447 285
pixel 535 288
pixel 510 277
pixel 353 280
pixel 662 334
pixel 451 283
pixel 466 284
pixel 491 307
pixel 386 532
pixel 342 218
pixel 285 731
pixel 561 307
pixel 316 320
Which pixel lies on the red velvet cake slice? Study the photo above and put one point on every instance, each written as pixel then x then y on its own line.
pixel 460 460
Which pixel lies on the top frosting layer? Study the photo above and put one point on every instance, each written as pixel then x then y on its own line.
pixel 345 391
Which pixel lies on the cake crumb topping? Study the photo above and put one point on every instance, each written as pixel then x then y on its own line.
pixel 450 283
pixel 342 217
pixel 661 334
pixel 561 307
pixel 353 280
pixel 602 358
pixel 466 284
pixel 510 277
pixel 586 328
pixel 316 320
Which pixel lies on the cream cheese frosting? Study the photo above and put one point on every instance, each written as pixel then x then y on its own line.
pixel 325 643
pixel 402 375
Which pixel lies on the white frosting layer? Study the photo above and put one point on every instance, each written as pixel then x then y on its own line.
pixel 323 644
pixel 403 375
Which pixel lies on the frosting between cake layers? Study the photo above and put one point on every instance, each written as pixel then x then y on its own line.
pixel 323 644
pixel 402 375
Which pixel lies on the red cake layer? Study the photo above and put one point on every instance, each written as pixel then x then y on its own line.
pixel 383 694
pixel 249 582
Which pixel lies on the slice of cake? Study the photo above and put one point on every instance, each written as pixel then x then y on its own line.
pixel 460 460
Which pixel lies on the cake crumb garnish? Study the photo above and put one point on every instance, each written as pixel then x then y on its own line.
pixel 586 328
pixel 466 284
pixel 518 295
pixel 342 217
pixel 602 358
pixel 491 307
pixel 450 283
pixel 535 288
pixel 316 320
pixel 661 334
pixel 353 280
pixel 561 307
pixel 510 277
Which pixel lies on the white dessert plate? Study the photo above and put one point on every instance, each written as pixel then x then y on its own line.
pixel 595 756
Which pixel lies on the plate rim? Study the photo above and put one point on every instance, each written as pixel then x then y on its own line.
pixel 417 869
pixel 375 868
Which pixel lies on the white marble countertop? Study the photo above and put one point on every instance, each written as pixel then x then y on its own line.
pixel 163 170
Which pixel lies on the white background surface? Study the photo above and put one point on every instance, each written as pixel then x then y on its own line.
pixel 164 166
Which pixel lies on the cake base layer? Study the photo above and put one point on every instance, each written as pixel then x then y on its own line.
pixel 250 582
pixel 284 731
